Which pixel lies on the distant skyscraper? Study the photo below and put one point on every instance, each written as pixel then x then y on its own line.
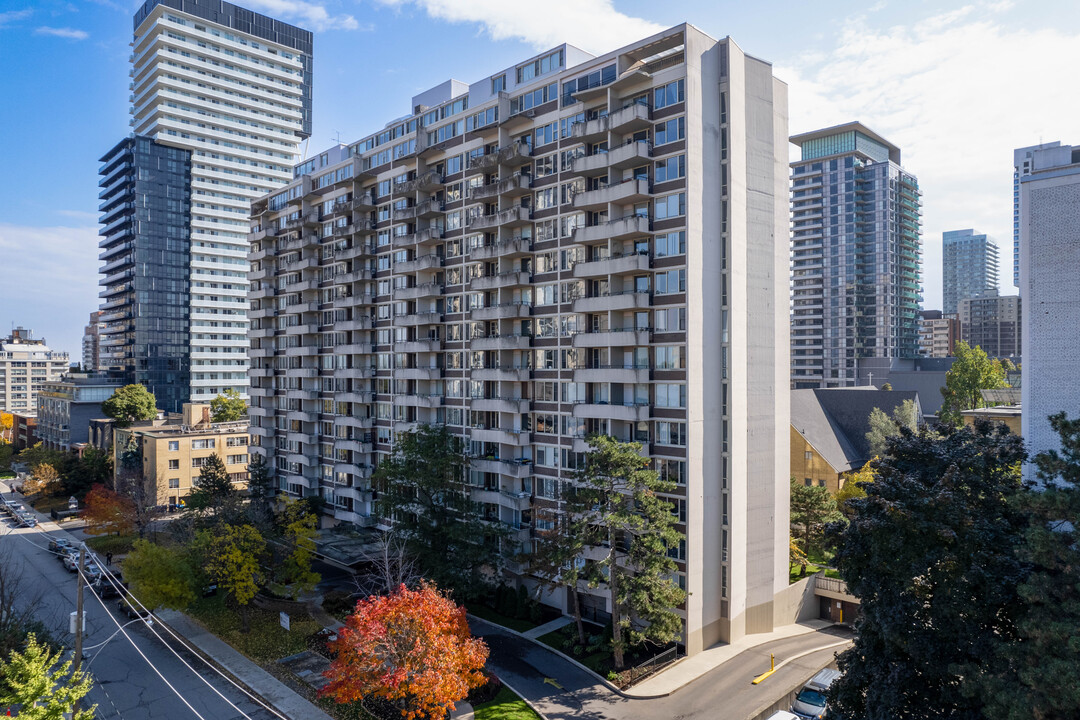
pixel 855 255
pixel 91 342
pixel 969 267
pixel 231 89
pixel 1050 288
pixel 1022 168
pixel 993 323
pixel 27 363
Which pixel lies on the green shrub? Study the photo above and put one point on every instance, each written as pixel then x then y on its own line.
pixel 521 603
pixel 115 544
pixel 536 614
pixel 337 602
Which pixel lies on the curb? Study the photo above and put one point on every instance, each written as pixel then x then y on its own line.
pixel 524 699
pixel 564 656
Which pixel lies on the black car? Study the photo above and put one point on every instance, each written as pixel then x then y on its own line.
pixel 130 610
pixel 105 589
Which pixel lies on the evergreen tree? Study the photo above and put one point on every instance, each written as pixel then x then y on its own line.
pixel 213 486
pixel 31 680
pixel 812 508
pixel 423 488
pixel 932 555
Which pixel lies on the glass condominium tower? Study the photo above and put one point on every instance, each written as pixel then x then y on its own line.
pixel 855 255
pixel 570 245
pixel 232 89
pixel 969 267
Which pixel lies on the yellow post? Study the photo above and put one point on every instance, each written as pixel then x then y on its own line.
pixel 772 662
pixel 841 613
pixel 772 669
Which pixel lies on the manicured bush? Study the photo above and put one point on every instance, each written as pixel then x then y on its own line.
pixel 487 692
pixel 536 613
pixel 337 602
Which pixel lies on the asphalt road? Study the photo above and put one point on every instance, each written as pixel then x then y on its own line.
pixel 560 689
pixel 126 685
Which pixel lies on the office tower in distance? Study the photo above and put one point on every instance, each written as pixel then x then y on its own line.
pixel 1022 165
pixel 969 267
pixel 992 322
pixel 572 245
pixel 937 334
pixel 91 342
pixel 1050 288
pixel 26 363
pixel 220 101
pixel 855 255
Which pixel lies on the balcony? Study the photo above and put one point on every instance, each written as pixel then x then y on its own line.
pixel 502 374
pixel 426 209
pixel 630 118
pixel 424 262
pixel 429 235
pixel 428 318
pixel 506 248
pixel 629 191
pixel 614 265
pixel 418 346
pixel 507 405
pixel 512 217
pixel 418 291
pixel 502 280
pixel 421 373
pixel 426 182
pixel 513 186
pixel 497 435
pixel 422 401
pixel 626 374
pixel 502 311
pixel 501 342
pixel 590 131
pixel 621 228
pixel 364 202
pixel 631 412
pixel 507 466
pixel 624 300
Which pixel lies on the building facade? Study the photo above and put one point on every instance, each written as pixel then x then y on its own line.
pixel 937 333
pixel 173 450
pixel 26 364
pixel 1050 287
pixel 66 406
pixel 529 259
pixel 1022 166
pixel 24 430
pixel 238 128
pixel 992 322
pixel 855 255
pixel 969 267
pixel 146 271
pixel 91 343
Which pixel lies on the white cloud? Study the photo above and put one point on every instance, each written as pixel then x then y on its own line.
pixel 50 284
pixel 14 16
pixel 593 25
pixel 957 92
pixel 69 33
pixel 308 15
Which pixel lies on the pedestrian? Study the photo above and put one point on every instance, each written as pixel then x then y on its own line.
pixel 108 559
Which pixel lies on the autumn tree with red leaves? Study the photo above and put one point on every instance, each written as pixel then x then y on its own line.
pixel 412 648
pixel 107 512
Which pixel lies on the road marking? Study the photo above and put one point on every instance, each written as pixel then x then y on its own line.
pixel 551 681
pixel 811 651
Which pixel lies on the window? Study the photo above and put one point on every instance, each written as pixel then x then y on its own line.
pixel 670 131
pixel 547 134
pixel 670 206
pixel 672 281
pixel 547 198
pixel 809 455
pixel 670 357
pixel 174 445
pixel 547 487
pixel 671 433
pixel 670 168
pixel 542 66
pixel 544 166
pixel 498 84
pixel 671 470
pixel 670 244
pixel 174 483
pixel 198 462
pixel 809 482
pixel 669 94
pixel 603 76
pixel 174 464
pixel 237 459
pixel 670 395
pixel 207 444
pixel 546 456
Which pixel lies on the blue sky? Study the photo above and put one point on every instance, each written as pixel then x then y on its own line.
pixel 956 85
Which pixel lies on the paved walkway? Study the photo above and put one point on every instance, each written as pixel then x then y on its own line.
pixel 546 628
pixel 260 682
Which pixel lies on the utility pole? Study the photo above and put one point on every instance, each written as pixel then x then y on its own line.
pixel 79 618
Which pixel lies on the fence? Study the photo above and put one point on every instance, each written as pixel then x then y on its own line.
pixel 831 585
pixel 653 664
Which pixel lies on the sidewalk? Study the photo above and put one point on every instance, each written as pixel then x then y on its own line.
pixel 546 628
pixel 257 680
pixel 690 669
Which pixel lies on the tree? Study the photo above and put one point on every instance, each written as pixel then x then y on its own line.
pixel 231 558
pixel 812 508
pixel 130 403
pixel 228 407
pixel 44 479
pixel 412 648
pixel 20 603
pixel 1038 667
pixel 93 468
pixel 853 488
pixel 614 512
pixel 31 680
pixel 140 491
pixel 389 565
pixel 886 386
pixel 261 482
pixel 107 512
pixel 423 488
pixel 300 532
pixel 213 486
pixel 932 555
pixel 159 575
pixel 882 427
pixel 7 422
pixel 972 372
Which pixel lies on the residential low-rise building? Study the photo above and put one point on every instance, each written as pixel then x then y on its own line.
pixel 24 431
pixel 938 333
pixel 26 363
pixel 1009 415
pixel 66 406
pixel 173 450
pixel 992 322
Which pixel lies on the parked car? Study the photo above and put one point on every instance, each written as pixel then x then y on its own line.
pixel 59 545
pixel 71 563
pixel 783 715
pixel 810 702
pixel 130 610
pixel 104 588
pixel 27 520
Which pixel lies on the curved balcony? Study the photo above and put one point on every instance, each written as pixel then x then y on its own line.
pixel 512 247
pixel 425 182
pixel 511 217
pixel 590 131
pixel 502 280
pixel 513 186
pixel 498 435
pixel 424 262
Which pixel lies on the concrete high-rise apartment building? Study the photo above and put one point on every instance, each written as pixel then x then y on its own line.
pixel 572 245
pixel 969 267
pixel 1022 166
pixel 91 342
pixel 1050 288
pixel 993 323
pixel 855 255
pixel 937 334
pixel 27 363
pixel 229 92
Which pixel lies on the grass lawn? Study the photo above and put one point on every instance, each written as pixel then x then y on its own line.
pixel 810 570
pixel 485 613
pixel 48 504
pixel 506 706
pixel 116 544
pixel 266 641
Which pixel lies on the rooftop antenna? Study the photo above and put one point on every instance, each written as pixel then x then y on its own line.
pixel 337 137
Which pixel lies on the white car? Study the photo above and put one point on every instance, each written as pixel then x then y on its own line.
pixel 783 715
